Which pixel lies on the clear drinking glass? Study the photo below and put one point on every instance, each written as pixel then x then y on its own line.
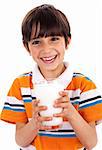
pixel 47 92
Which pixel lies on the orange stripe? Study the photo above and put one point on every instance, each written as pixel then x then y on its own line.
pixel 13 117
pixel 81 83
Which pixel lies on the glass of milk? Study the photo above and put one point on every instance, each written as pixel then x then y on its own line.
pixel 47 92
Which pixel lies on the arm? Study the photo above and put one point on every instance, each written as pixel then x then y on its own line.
pixel 26 132
pixel 84 131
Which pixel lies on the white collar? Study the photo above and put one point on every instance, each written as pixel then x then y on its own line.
pixel 65 78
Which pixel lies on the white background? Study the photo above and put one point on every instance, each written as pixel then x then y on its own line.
pixel 84 53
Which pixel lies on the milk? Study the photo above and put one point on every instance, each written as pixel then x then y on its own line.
pixel 48 92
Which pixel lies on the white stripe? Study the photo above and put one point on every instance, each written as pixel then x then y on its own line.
pixel 14 100
pixel 26 91
pixel 14 107
pixel 73 93
pixel 30 147
pixel 74 101
pixel 27 98
pixel 57 133
pixel 90 102
pixel 89 94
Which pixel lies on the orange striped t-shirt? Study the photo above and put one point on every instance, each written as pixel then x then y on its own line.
pixel 83 95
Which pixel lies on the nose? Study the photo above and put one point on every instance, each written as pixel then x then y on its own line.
pixel 46 47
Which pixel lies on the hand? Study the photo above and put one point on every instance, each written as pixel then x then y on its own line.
pixel 64 103
pixel 36 118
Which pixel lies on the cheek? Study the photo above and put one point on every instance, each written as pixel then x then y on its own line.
pixel 62 46
pixel 61 50
pixel 33 52
pixel 34 55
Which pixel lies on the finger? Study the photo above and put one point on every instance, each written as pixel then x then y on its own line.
pixel 63 93
pixel 45 127
pixel 62 105
pixel 37 110
pixel 41 119
pixel 62 100
pixel 62 114
pixel 41 108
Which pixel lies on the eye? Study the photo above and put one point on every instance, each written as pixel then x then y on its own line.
pixel 35 42
pixel 55 38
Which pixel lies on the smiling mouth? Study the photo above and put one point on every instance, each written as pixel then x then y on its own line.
pixel 49 59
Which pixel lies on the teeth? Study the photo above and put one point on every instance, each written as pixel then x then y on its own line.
pixel 48 58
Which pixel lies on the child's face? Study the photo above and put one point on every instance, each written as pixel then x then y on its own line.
pixel 48 52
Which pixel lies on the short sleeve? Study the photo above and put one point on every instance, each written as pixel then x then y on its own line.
pixel 14 110
pixel 90 105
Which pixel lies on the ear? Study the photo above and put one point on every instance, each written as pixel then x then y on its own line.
pixel 69 40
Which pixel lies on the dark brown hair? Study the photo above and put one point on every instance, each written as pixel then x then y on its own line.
pixel 47 21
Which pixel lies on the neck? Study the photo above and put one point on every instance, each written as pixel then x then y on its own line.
pixel 52 74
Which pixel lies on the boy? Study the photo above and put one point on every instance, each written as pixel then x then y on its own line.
pixel 46 36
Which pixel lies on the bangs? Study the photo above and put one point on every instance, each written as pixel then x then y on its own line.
pixel 47 26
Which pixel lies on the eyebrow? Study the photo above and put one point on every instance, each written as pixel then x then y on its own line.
pixel 44 37
pixel 34 38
